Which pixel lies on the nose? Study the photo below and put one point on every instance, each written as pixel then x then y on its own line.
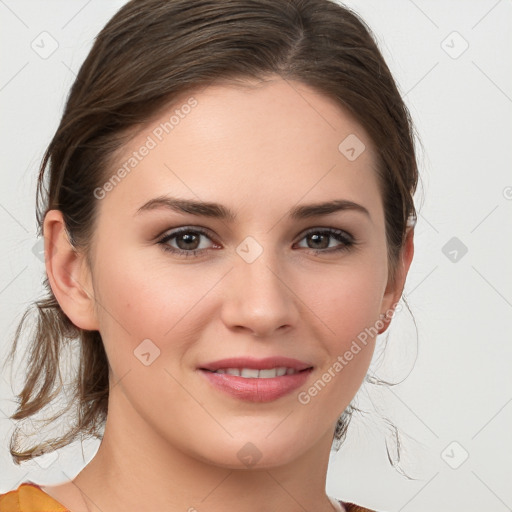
pixel 258 298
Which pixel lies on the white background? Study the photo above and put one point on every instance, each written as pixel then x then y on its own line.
pixel 459 390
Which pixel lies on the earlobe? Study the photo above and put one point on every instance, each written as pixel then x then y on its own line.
pixel 394 290
pixel 68 273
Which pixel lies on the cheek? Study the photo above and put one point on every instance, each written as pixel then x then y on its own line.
pixel 148 319
pixel 139 301
pixel 163 301
pixel 346 298
pixel 347 303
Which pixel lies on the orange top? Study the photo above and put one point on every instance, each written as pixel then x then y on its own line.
pixel 29 497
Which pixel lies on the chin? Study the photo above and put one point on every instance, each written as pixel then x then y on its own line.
pixel 253 452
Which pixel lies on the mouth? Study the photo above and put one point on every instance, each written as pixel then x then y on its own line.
pixel 253 373
pixel 257 381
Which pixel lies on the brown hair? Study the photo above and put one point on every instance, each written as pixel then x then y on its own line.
pixel 146 56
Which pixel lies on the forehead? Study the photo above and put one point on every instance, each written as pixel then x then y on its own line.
pixel 248 143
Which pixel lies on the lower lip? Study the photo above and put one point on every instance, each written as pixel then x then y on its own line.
pixel 257 390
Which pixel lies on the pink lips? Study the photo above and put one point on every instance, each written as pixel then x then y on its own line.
pixel 257 389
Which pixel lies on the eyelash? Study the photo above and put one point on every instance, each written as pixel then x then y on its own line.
pixel 347 240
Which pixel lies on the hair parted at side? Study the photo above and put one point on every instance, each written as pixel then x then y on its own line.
pixel 147 56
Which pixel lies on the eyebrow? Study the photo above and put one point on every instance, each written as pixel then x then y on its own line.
pixel 218 211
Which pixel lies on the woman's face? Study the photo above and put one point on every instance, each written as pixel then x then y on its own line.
pixel 262 284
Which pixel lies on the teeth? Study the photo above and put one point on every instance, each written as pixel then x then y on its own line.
pixel 268 374
pixel 251 373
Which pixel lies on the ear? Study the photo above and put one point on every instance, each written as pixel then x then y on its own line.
pixel 394 289
pixel 68 273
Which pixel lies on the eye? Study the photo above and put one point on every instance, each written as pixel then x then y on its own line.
pixel 188 241
pixel 321 238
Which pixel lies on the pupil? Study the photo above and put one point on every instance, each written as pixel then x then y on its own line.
pixel 188 239
pixel 316 237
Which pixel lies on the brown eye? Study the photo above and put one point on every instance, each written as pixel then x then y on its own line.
pixel 319 240
pixel 187 241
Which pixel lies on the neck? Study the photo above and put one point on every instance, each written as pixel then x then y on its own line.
pixel 136 469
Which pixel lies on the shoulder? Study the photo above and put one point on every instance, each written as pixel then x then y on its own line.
pixel 29 497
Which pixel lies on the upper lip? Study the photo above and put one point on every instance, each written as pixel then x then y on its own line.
pixel 256 364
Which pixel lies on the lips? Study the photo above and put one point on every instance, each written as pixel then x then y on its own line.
pixel 254 387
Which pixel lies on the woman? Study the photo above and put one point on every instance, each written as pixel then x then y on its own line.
pixel 228 226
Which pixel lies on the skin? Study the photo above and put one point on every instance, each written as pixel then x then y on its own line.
pixel 171 439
